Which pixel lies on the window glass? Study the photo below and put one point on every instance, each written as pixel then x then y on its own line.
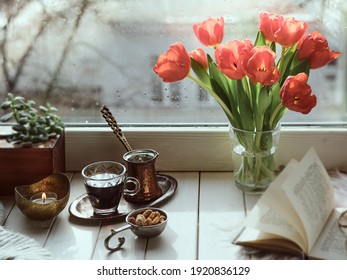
pixel 80 54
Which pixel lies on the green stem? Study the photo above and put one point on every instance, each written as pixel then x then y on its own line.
pixel 257 145
pixel 246 86
pixel 278 109
pixel 282 58
pixel 14 110
pixel 268 171
pixel 215 96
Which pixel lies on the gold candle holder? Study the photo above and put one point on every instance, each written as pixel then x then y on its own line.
pixel 45 199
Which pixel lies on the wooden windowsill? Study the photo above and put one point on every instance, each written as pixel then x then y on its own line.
pixel 199 148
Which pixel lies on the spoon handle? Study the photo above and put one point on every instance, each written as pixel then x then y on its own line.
pixel 106 113
pixel 121 240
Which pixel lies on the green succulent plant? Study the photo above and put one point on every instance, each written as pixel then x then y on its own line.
pixel 32 125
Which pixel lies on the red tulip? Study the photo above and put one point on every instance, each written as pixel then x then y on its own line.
pixel 296 94
pixel 269 25
pixel 200 56
pixel 174 65
pixel 261 66
pixel 314 47
pixel 284 31
pixel 210 32
pixel 230 58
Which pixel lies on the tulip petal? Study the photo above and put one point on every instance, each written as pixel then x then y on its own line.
pixel 174 65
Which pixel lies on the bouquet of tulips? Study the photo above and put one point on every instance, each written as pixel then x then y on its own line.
pixel 254 86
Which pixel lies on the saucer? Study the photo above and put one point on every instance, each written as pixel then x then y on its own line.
pixel 81 207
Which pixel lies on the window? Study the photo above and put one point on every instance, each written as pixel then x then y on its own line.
pixel 81 54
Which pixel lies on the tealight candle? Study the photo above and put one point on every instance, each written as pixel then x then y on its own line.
pixel 44 197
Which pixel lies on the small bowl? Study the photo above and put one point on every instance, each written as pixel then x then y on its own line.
pixel 57 183
pixel 148 231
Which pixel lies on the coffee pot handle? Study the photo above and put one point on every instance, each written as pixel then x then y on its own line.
pixel 134 181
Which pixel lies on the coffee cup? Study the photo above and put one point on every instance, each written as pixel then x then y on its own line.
pixel 106 183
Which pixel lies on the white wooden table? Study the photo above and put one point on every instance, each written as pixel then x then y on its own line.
pixel 205 214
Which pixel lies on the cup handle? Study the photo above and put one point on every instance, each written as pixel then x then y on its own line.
pixel 121 240
pixel 134 191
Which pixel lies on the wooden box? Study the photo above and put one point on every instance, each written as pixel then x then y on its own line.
pixel 27 165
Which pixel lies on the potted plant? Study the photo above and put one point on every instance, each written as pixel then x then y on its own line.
pixel 36 146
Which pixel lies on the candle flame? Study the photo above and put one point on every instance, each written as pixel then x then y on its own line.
pixel 44 198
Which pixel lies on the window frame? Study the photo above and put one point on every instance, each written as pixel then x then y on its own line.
pixel 200 148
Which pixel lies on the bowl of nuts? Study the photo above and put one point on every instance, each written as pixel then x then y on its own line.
pixel 143 222
pixel 147 222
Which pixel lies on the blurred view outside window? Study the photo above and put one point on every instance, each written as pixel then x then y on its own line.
pixel 81 54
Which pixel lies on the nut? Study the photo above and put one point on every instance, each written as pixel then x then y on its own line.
pixel 140 220
pixel 147 218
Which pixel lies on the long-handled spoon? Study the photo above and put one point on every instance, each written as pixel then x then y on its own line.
pixel 106 113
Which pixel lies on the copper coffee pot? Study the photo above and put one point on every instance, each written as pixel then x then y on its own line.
pixel 140 164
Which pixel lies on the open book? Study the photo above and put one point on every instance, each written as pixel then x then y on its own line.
pixel 296 214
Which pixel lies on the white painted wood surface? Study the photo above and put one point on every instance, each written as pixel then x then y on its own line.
pixel 221 213
pixel 205 215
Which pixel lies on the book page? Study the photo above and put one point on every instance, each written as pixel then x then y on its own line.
pixel 255 238
pixel 274 214
pixel 332 243
pixel 310 191
pixel 270 221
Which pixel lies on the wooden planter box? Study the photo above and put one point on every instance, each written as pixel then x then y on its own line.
pixel 27 165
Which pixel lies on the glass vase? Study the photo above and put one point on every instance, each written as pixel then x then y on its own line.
pixel 253 155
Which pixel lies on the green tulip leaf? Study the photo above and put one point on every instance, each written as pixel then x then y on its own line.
pixel 264 99
pixel 260 39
